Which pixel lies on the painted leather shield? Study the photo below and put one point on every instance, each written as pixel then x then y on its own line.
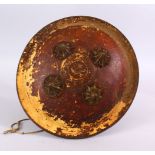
pixel 77 77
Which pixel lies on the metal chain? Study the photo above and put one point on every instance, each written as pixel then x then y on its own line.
pixel 15 127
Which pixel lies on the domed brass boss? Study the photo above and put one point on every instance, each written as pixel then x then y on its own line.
pixel 77 77
pixel 53 85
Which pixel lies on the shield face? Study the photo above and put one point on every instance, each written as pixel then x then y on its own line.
pixel 77 77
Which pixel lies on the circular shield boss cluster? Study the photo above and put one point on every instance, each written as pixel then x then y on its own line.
pixel 77 77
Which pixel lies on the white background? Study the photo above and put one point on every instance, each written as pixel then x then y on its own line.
pixel 135 131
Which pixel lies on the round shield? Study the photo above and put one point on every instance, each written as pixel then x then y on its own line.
pixel 77 77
